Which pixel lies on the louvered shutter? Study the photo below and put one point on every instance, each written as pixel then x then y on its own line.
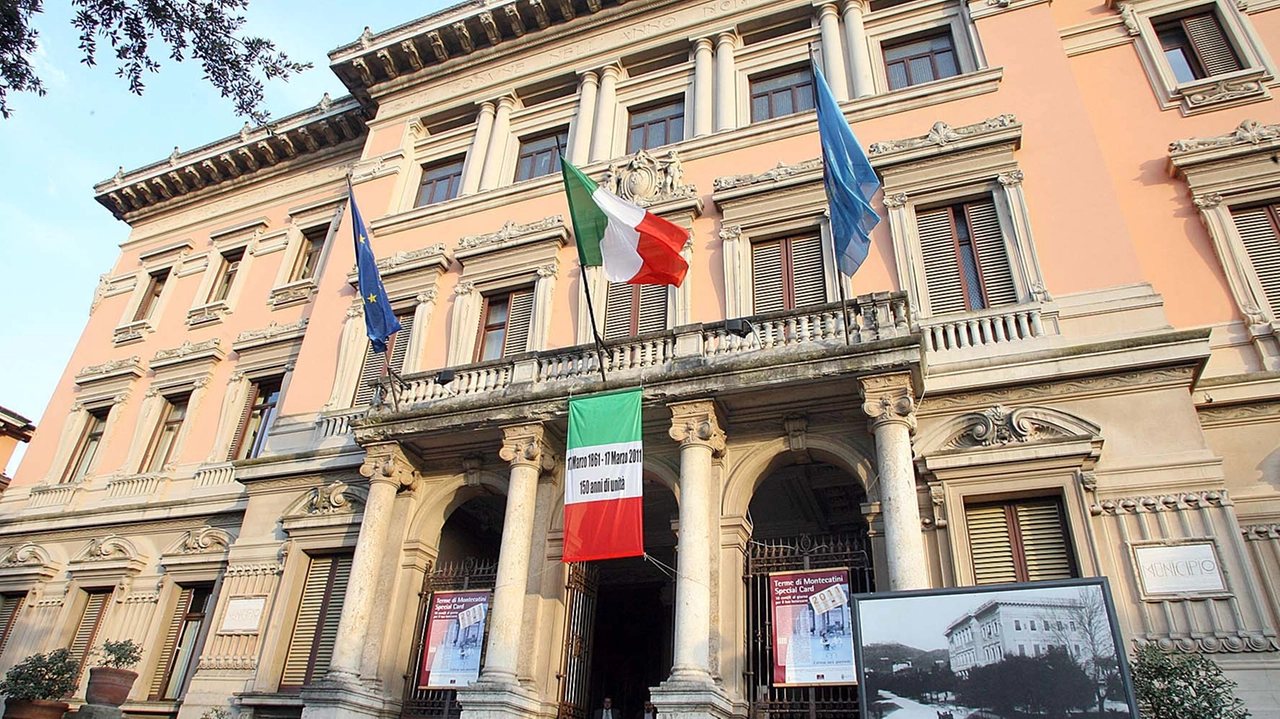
pixel 766 277
pixel 653 309
pixel 808 282
pixel 316 627
pixel 94 609
pixel 1044 541
pixel 243 423
pixel 993 259
pixel 1211 43
pixel 164 664
pixel 518 322
pixel 991 545
pixel 941 271
pixel 10 607
pixel 371 370
pixel 1258 232
pixel 618 305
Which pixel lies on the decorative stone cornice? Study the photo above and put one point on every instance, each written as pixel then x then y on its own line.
pixel 697 423
pixel 943 135
pixel 110 370
pixel 1249 133
pixel 189 351
pixel 26 555
pixel 1261 532
pixel 204 540
pixel 527 445
pixel 889 399
pixel 999 426
pixel 647 180
pixel 270 334
pixel 436 255
pixel 778 174
pixel 331 123
pixel 511 233
pixel 1166 503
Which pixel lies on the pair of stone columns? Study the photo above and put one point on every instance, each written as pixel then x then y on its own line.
pixel 592 136
pixel 835 59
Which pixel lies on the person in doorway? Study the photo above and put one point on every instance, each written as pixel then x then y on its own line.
pixel 607 711
pixel 650 711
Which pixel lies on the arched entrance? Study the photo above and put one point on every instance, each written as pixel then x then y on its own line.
pixel 803 517
pixel 619 619
pixel 466 559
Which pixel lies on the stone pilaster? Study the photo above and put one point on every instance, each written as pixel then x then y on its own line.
pixel 496 153
pixel 726 87
pixel 832 50
pixel 703 91
pixel 890 406
pixel 606 110
pixel 479 146
pixel 584 124
pixel 859 54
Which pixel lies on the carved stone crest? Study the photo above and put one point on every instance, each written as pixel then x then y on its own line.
pixel 333 498
pixel 647 180
pixel 1250 132
pixel 942 134
pixel 511 231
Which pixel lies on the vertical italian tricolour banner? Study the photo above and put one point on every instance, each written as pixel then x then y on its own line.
pixel 604 469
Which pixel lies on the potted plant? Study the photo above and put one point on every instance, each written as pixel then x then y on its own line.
pixel 36 685
pixel 111 680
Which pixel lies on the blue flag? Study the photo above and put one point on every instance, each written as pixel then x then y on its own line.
pixel 849 180
pixel 379 320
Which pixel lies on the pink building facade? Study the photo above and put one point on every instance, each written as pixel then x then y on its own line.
pixel 1061 358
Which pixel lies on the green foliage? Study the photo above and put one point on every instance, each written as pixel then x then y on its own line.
pixel 1050 685
pixel 49 676
pixel 123 654
pixel 1183 686
pixel 206 30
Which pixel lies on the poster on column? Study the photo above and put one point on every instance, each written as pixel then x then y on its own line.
pixel 812 628
pixel 453 638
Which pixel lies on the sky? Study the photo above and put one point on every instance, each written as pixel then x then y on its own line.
pixel 55 240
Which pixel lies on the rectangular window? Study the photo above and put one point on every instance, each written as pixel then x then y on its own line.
pixel 316 626
pixel 540 155
pixel 655 126
pixel 151 298
pixel 1258 228
pixel 787 274
pixel 182 641
pixel 373 362
pixel 95 609
pixel 312 247
pixel 227 275
pixel 160 449
pixel 86 452
pixel 920 60
pixel 1196 46
pixel 781 94
pixel 255 421
pixel 505 321
pixel 440 182
pixel 10 607
pixel 1017 625
pixel 966 265
pixel 1019 541
pixel 630 310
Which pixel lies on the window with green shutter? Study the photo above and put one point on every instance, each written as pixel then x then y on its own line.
pixel 966 265
pixel 1019 541
pixel 316 626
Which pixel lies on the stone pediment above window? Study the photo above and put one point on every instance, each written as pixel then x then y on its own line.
pixel 271 347
pixel 28 562
pixel 942 138
pixel 407 273
pixel 111 556
pixel 110 379
pixel 199 549
pixel 512 249
pixel 336 504
pixel 197 356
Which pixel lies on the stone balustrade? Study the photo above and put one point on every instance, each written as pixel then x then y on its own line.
pixel 999 325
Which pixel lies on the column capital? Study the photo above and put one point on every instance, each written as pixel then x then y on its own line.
pixel 591 77
pixel 854 5
pixel 826 7
pixel 703 43
pixel 508 101
pixel 613 69
pixel 727 36
pixel 527 445
pixel 488 107
pixel 390 464
pixel 697 423
pixel 888 399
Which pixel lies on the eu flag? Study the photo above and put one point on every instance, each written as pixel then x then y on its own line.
pixel 379 321
pixel 849 180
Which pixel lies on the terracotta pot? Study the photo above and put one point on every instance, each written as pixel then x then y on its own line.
pixel 109 686
pixel 33 709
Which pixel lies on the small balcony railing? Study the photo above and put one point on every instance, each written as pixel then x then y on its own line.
pixel 999 325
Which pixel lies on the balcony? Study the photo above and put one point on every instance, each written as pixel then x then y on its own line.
pixel 809 347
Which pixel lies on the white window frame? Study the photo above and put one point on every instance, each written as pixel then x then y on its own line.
pixel 171 258
pixel 893 24
pixel 421 150
pixel 1244 86
pixel 245 236
pixel 287 290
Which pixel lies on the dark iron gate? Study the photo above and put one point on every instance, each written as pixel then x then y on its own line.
pixel 849 551
pixel 470 573
pixel 581 591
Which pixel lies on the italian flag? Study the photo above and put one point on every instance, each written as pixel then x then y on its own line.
pixel 633 244
pixel 604 469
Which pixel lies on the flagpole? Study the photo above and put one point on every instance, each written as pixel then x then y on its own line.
pixel 586 290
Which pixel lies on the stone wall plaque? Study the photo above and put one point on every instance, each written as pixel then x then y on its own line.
pixel 243 615
pixel 1179 569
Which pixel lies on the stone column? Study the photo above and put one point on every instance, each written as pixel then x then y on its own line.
pixel 726 82
pixel 584 125
pixel 832 52
pixel 479 146
pixel 498 140
pixel 890 406
pixel 859 53
pixel 388 470
pixel 703 91
pixel 525 447
pixel 606 108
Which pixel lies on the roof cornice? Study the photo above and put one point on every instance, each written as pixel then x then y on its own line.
pixel 329 124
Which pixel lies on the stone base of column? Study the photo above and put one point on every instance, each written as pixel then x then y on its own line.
pixel 494 700
pixel 338 699
pixel 683 699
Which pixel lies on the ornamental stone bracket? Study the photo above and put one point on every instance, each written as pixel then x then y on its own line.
pixel 698 422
